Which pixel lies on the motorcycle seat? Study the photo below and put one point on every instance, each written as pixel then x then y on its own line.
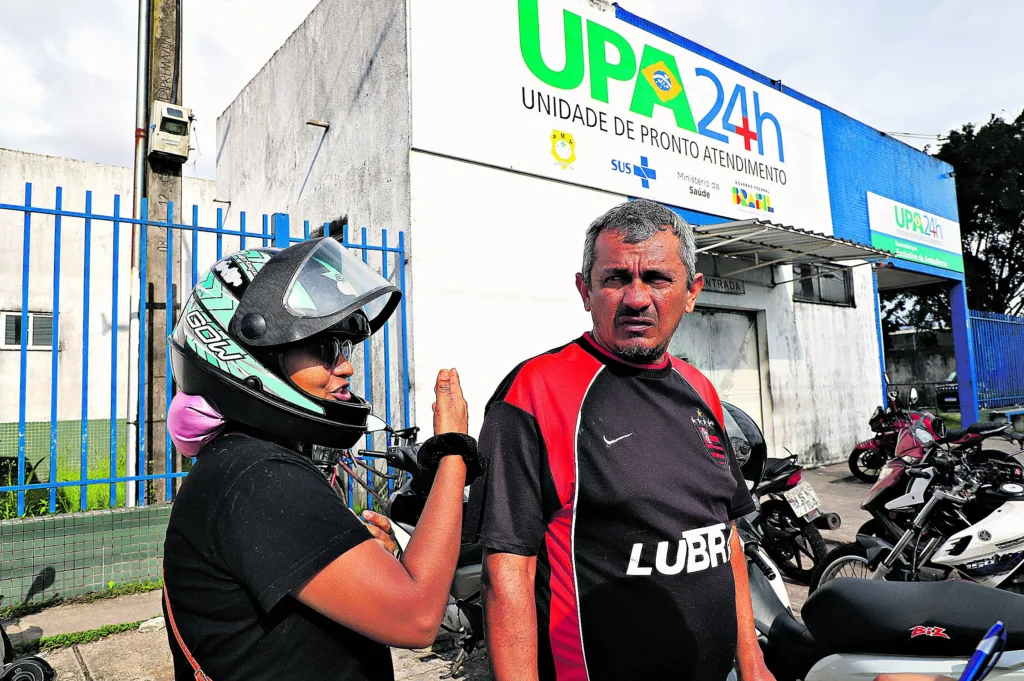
pixel 910 618
pixel 976 428
pixel 470 554
pixel 777 467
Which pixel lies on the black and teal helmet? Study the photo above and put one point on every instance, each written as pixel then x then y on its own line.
pixel 252 306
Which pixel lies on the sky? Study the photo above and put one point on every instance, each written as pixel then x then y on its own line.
pixel 67 67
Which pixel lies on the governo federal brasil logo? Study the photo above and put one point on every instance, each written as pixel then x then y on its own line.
pixel 598 54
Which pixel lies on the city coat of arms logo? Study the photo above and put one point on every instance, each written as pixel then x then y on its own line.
pixel 563 148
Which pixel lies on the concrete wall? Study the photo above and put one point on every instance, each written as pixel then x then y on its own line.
pixel 494 285
pixel 345 65
pixel 46 173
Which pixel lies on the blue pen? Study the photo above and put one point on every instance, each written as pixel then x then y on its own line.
pixel 986 655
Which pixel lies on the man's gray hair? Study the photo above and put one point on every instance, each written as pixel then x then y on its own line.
pixel 638 221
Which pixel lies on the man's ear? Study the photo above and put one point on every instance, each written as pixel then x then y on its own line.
pixel 691 298
pixel 584 290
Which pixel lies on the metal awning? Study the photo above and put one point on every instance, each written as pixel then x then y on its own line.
pixel 768 244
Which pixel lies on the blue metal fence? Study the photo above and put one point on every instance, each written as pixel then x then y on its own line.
pixel 111 473
pixel 999 354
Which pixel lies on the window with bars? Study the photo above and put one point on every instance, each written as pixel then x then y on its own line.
pixel 40 330
pixel 825 284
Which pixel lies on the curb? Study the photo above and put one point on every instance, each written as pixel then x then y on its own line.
pixel 60 641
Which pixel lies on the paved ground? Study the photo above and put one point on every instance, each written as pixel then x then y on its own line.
pixel 144 656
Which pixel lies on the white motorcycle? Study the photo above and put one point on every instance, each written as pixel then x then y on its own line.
pixel 970 526
pixel 856 629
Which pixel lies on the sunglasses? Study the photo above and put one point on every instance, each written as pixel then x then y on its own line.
pixel 333 349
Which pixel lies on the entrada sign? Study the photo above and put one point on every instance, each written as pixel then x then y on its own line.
pixel 720 285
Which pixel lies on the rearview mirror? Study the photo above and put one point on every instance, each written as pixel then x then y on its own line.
pixel 913 395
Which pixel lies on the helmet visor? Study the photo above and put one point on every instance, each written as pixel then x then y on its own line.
pixel 332 279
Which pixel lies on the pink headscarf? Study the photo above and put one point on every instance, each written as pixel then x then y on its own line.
pixel 192 422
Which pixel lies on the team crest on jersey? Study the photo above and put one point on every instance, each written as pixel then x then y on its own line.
pixel 707 431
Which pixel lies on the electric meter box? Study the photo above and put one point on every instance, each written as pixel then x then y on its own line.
pixel 169 131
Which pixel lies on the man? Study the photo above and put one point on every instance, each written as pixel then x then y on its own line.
pixel 605 518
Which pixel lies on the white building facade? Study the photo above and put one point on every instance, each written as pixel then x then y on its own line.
pixel 493 132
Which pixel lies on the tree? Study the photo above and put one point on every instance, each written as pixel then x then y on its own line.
pixel 989 166
pixel 923 307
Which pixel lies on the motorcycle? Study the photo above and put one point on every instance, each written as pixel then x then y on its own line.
pixel 30 668
pixel 792 516
pixel 857 629
pixel 966 524
pixel 868 456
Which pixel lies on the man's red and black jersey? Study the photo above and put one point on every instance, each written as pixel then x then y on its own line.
pixel 620 479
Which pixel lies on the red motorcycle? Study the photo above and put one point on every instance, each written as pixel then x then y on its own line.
pixel 896 497
pixel 868 457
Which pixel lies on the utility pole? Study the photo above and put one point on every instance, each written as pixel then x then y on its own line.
pixel 160 181
pixel 163 186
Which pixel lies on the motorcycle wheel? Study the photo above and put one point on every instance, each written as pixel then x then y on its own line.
pixel 804 547
pixel 848 560
pixel 866 464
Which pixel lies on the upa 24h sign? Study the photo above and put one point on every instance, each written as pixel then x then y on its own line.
pixel 559 89
pixel 914 234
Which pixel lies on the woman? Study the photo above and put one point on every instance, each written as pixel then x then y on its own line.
pixel 267 574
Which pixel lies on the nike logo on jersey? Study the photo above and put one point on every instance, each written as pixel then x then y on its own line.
pixel 611 442
pixel 698 550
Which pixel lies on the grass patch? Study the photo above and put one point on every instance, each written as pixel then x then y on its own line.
pixel 68 499
pixel 79 637
pixel 11 612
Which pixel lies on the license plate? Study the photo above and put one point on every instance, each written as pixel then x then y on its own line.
pixel 802 499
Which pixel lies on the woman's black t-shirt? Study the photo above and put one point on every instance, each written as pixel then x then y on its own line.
pixel 251 522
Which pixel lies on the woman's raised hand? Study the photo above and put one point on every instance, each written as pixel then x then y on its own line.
pixel 451 413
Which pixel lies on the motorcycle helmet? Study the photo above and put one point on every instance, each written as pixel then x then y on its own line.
pixel 253 306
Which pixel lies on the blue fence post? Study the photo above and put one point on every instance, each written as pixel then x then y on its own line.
pixel 83 496
pixel 367 355
pixel 140 487
pixel 168 327
pixel 195 245
pixel 220 233
pixel 112 499
pixel 26 252
pixel 54 349
pixel 282 230
pixel 405 332
pixel 963 346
